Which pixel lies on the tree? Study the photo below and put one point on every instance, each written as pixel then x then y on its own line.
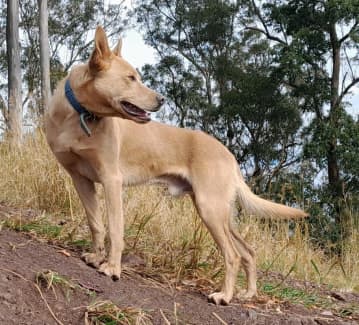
pixel 14 72
pixel 317 45
pixel 220 80
pixel 44 55
pixel 3 67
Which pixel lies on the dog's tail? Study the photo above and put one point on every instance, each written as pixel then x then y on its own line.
pixel 254 205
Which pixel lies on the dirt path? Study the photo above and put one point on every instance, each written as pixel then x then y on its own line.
pixel 22 257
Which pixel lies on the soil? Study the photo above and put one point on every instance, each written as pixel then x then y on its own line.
pixel 25 301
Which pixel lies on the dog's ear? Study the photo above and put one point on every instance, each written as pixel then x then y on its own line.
pixel 100 57
pixel 118 47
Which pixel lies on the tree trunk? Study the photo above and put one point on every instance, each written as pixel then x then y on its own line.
pixel 44 56
pixel 14 126
pixel 336 185
pixel 333 167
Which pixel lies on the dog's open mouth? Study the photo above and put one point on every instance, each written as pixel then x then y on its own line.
pixel 135 111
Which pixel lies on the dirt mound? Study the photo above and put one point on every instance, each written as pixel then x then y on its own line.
pixel 71 288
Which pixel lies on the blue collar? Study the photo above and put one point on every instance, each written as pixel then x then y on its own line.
pixel 85 115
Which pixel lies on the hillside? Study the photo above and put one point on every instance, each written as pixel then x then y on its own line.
pixel 45 282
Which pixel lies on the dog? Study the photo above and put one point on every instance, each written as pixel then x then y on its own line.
pixel 98 126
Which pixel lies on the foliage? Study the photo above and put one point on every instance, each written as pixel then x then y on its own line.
pixel 317 47
pixel 221 80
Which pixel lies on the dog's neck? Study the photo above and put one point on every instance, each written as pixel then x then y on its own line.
pixel 84 114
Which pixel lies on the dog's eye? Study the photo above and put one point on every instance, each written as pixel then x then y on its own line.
pixel 132 78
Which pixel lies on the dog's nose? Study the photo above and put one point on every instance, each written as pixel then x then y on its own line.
pixel 160 100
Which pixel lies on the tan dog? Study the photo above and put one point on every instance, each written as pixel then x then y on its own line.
pixel 125 148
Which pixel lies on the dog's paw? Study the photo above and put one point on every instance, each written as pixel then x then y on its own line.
pixel 112 270
pixel 93 259
pixel 219 298
pixel 246 294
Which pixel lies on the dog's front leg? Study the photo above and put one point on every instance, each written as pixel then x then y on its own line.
pixel 88 196
pixel 113 196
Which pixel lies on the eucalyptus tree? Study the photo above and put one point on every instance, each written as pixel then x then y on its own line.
pixel 219 78
pixel 14 113
pixel 317 45
pixel 44 55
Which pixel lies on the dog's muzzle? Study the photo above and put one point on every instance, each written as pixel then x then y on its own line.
pixel 160 100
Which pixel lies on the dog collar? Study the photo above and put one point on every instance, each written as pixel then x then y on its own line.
pixel 85 115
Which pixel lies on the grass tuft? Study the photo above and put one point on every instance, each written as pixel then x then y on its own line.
pixel 107 313
pixel 52 279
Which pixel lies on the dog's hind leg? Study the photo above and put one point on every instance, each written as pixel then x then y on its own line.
pixel 248 263
pixel 88 196
pixel 215 213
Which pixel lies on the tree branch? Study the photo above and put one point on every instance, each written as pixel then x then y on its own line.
pixel 266 30
pixel 345 37
pixel 347 89
pixel 267 34
pixel 348 61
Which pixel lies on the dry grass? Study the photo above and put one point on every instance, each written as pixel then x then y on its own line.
pixel 166 231
pixel 97 313
pixel 31 177
pixel 106 312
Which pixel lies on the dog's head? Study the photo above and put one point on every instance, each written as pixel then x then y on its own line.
pixel 115 86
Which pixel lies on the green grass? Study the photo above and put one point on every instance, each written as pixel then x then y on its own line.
pixel 84 244
pixel 294 295
pixel 313 298
pixel 40 227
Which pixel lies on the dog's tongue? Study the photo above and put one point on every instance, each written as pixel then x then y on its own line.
pixel 135 111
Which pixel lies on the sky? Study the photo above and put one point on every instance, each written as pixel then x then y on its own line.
pixel 135 51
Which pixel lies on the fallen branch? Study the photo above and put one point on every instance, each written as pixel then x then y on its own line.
pixel 219 318
pixel 89 287
pixel 164 317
